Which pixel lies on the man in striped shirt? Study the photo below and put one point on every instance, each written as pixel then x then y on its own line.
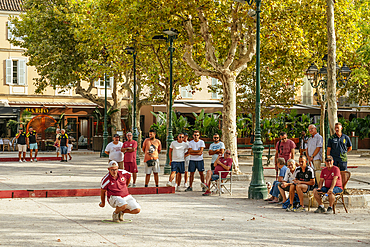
pixel 115 184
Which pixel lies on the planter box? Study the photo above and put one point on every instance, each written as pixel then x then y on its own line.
pixel 364 143
pixel 354 140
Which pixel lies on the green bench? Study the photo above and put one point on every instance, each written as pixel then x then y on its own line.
pixel 269 155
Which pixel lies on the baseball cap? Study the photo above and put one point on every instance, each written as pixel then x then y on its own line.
pixel 112 163
pixel 116 135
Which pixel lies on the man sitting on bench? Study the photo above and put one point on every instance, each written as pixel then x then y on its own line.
pixel 333 184
pixel 304 180
pixel 221 164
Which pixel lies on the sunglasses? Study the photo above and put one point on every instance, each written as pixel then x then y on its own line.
pixel 216 137
pixel 328 160
pixel 228 153
pixel 181 137
pixel 196 135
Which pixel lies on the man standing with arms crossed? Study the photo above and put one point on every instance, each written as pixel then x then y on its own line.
pixel 113 149
pixel 22 144
pixel 339 145
pixel 177 160
pixel 196 147
pixel 129 148
pixel 216 148
pixel 31 142
pixel 314 150
pixel 151 148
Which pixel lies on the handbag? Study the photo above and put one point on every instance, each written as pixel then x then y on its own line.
pixel 150 163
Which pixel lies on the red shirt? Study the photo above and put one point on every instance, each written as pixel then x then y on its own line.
pixel 227 162
pixel 118 186
pixel 130 156
pixel 329 175
pixel 285 149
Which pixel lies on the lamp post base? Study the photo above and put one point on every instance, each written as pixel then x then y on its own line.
pixel 257 188
pixel 257 192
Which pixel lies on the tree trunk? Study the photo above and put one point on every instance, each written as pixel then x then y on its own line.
pixel 322 126
pixel 229 119
pixel 115 120
pixel 332 83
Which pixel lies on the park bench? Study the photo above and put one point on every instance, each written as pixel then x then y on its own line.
pixel 269 155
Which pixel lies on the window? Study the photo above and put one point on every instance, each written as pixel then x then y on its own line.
pixel 186 92
pixel 100 82
pixel 216 95
pixel 307 92
pixel 16 71
pixel 11 27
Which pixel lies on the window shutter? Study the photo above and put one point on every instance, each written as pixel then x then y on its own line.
pixel 21 72
pixel 97 83
pixel 111 81
pixel 10 28
pixel 183 92
pixel 9 70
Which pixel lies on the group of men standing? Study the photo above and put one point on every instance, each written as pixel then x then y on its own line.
pixel 25 140
pixel 302 179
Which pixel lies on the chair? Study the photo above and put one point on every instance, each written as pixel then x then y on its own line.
pixel 6 144
pixel 1 143
pixel 223 183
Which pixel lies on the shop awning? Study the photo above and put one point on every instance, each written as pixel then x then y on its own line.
pixel 52 104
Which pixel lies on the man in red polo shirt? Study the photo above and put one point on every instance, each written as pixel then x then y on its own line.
pixel 129 148
pixel 115 184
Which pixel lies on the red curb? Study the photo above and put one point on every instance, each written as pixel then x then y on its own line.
pixel 80 192
pixel 321 167
pixel 16 159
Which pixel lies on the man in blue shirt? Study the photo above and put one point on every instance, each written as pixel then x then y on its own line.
pixel 339 145
pixel 274 192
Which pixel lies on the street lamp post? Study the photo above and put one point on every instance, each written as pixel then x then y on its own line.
pixel 172 34
pixel 318 79
pixel 135 134
pixel 105 132
pixel 257 187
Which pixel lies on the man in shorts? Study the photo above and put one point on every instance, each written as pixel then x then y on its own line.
pixel 196 147
pixel 113 149
pixel 330 183
pixel 129 149
pixel 304 180
pixel 63 142
pixel 221 164
pixel 22 144
pixel 115 184
pixel 288 179
pixel 216 148
pixel 31 142
pixel 151 148
pixel 177 160
pixel 339 145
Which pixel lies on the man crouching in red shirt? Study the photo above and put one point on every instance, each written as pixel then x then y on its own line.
pixel 115 184
pixel 221 164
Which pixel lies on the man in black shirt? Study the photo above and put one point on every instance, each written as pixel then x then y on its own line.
pixel 22 144
pixel 31 142
pixel 63 142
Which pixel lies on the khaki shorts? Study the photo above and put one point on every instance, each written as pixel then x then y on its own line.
pixel 150 169
pixel 22 148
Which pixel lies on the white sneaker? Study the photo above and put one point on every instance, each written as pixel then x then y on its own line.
pixel 169 184
pixel 20 161
pixel 186 185
pixel 133 185
pixel 222 191
pixel 35 160
pixel 178 189
pixel 24 161
pixel 31 160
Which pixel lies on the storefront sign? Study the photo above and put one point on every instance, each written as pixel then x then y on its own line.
pixel 38 110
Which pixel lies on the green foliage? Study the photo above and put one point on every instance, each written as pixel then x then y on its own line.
pixel 13 126
pixel 244 125
pixel 97 115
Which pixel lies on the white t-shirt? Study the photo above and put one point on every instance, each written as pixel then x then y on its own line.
pixel 216 146
pixel 115 151
pixel 196 146
pixel 288 176
pixel 69 148
pixel 178 150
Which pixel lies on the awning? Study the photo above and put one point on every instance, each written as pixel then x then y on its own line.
pixel 190 106
pixel 52 104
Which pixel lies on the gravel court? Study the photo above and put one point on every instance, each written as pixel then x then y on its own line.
pixel 181 219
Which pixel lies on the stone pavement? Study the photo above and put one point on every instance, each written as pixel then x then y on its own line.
pixel 181 219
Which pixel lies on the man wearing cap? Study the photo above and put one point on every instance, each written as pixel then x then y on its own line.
pixel 113 149
pixel 115 184
pixel 31 142
pixel 330 175
pixel 22 144
pixel 129 148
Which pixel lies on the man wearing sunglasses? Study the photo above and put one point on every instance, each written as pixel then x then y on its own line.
pixel 330 175
pixel 216 148
pixel 284 149
pixel 221 164
pixel 196 147
pixel 129 148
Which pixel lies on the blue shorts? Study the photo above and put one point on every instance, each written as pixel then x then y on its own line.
pixel 63 149
pixel 335 190
pixel 33 146
pixel 196 164
pixel 215 177
pixel 178 166
pixel 342 165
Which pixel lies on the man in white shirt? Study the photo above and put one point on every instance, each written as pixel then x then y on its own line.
pixel 113 149
pixel 177 159
pixel 216 148
pixel 196 147
pixel 314 150
pixel 288 179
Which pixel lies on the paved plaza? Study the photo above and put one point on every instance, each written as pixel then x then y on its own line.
pixel 180 219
